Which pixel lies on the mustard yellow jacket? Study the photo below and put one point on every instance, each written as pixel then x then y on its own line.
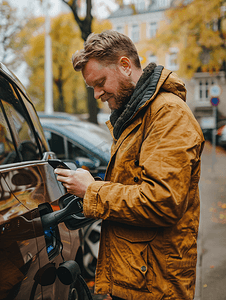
pixel 149 201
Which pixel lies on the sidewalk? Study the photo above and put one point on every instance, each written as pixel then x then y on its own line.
pixel 211 267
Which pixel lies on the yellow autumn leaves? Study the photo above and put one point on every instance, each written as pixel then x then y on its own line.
pixel 69 93
pixel 199 31
pixel 218 213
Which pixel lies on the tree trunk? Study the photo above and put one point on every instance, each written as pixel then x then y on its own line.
pixel 85 27
pixel 59 83
pixel 61 105
pixel 75 103
pixel 92 106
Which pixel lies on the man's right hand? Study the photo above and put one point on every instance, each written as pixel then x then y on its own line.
pixel 76 182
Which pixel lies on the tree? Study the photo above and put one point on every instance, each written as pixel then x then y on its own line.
pixel 198 28
pixel 67 84
pixel 68 88
pixel 85 25
pixel 10 26
pixel 65 36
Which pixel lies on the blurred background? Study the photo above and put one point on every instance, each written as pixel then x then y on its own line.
pixel 38 38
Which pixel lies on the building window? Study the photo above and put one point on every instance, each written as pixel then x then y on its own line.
pixel 120 29
pixel 135 34
pixel 152 59
pixel 162 3
pixel 202 86
pixel 172 59
pixel 152 29
pixel 215 25
pixel 139 4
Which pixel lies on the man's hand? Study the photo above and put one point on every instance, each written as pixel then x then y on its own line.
pixel 76 182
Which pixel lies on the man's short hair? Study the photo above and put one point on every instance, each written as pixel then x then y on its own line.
pixel 106 47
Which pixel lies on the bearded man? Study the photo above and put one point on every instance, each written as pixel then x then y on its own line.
pixel 149 200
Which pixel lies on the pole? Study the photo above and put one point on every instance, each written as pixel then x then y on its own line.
pixel 48 63
pixel 214 132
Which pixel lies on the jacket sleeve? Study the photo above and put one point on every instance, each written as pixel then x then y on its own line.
pixel 170 161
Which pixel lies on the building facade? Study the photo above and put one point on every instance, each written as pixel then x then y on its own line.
pixel 140 20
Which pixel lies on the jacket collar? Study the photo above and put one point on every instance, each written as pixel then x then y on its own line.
pixel 144 90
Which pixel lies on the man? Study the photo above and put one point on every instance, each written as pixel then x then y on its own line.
pixel 149 201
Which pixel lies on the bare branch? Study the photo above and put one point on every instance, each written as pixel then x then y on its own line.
pixel 74 8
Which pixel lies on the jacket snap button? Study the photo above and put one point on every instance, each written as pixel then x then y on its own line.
pixel 136 179
pixel 136 162
pixel 143 268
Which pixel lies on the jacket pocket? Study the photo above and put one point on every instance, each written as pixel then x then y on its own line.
pixel 134 234
pixel 132 257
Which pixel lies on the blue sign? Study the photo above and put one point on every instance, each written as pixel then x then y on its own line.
pixel 214 101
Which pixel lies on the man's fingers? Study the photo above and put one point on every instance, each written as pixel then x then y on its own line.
pixel 62 172
pixel 61 178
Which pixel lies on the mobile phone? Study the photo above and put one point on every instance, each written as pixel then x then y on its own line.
pixel 57 163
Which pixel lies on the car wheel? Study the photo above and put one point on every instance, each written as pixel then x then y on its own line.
pixel 91 248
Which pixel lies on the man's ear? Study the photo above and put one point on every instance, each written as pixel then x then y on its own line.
pixel 125 65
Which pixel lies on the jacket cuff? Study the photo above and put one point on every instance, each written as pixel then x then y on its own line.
pixel 90 199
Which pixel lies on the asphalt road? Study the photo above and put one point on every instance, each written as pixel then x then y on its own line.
pixel 211 269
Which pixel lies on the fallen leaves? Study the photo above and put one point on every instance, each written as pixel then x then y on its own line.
pixel 218 213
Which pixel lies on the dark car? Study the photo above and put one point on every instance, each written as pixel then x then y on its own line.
pixel 34 248
pixel 222 136
pixel 85 143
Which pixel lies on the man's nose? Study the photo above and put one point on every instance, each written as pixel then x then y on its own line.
pixel 98 92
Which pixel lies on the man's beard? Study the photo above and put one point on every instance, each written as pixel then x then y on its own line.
pixel 126 89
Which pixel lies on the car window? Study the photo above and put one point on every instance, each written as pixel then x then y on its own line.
pixel 98 137
pixel 36 122
pixel 7 150
pixel 74 152
pixel 56 143
pixel 17 120
pixel 81 157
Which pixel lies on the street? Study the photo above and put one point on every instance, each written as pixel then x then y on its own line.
pixel 211 269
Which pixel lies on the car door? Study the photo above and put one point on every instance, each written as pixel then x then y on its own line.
pixel 18 248
pixel 28 182
pixel 18 245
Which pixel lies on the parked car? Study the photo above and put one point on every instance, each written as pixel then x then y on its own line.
pixel 85 143
pixel 31 250
pixel 88 145
pixel 222 136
